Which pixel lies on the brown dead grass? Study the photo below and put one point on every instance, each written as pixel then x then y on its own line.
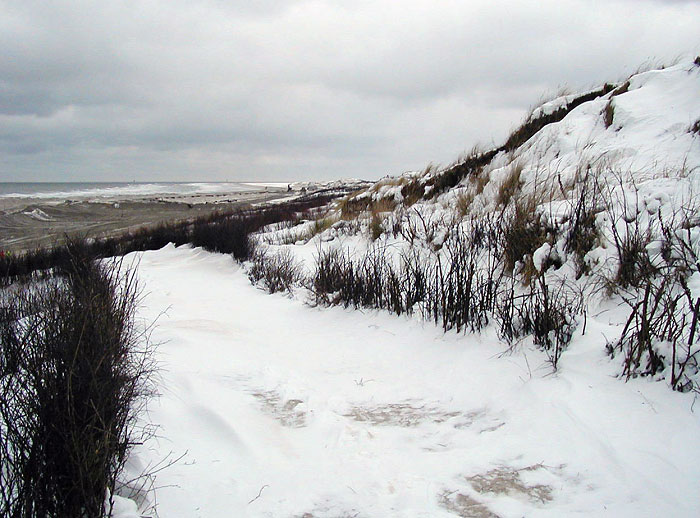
pixel 511 184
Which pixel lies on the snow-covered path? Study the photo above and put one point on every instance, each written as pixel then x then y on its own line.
pixel 290 411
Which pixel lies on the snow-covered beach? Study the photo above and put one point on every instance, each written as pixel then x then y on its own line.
pixel 321 259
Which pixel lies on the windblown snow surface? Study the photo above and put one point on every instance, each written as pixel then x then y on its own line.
pixel 274 407
pixel 335 413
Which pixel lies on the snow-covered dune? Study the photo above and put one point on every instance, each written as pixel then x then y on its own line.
pixel 647 130
pixel 569 393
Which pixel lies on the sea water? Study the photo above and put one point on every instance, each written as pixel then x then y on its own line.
pixel 118 189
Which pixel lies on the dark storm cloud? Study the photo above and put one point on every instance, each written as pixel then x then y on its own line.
pixel 292 89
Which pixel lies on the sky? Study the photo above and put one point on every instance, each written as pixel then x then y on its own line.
pixel 216 90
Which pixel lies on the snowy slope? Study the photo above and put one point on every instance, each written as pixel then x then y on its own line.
pixel 275 407
pixel 283 410
pixel 649 137
pixel 653 132
pixel 649 133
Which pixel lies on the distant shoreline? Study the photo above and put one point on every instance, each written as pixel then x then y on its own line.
pixel 29 222
pixel 32 221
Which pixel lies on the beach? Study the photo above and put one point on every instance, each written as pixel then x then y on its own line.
pixel 41 221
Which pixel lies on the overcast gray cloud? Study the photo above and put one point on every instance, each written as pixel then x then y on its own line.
pixel 238 90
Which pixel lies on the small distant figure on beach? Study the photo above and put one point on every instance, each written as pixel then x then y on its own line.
pixel 289 187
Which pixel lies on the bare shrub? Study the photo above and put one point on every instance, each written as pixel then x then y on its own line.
pixel 453 291
pixel 334 271
pixel 412 192
pixel 370 282
pixel 229 236
pixel 461 287
pixel 524 231
pixel 394 222
pixel 634 262
pixel 642 327
pixel 551 315
pixel 548 312
pixel 415 282
pixel 73 376
pixel 277 271
pixel 416 227
pixel 506 310
pixel 582 233
pixel 662 329
pixel 462 294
